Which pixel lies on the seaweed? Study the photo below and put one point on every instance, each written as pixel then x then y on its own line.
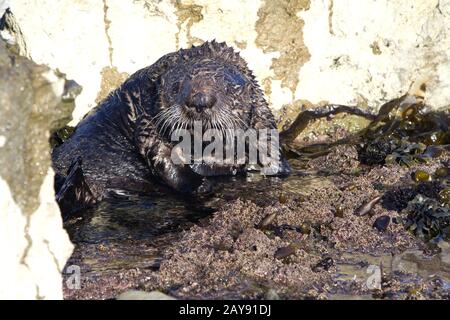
pixel 375 152
pixel 427 218
pixel 404 131
pixel 398 197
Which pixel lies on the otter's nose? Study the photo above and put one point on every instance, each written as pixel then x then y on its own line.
pixel 201 101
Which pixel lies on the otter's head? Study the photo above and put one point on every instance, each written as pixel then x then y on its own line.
pixel 210 83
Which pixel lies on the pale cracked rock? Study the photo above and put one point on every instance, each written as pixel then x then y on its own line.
pixel 33 244
pixel 348 52
pixel 34 251
pixel 368 52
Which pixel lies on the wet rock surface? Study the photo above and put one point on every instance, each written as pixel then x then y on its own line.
pixel 296 237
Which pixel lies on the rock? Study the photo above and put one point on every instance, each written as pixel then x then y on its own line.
pixel 33 244
pixel 142 295
pixel 284 252
pixel 10 32
pixel 382 223
pixel 322 43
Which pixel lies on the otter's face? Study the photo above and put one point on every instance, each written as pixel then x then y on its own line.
pixel 209 91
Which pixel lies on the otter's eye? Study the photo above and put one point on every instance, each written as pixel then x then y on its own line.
pixel 175 88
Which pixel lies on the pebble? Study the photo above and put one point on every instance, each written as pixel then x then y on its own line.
pixel 282 198
pixel 267 220
pixel 284 252
pixel 271 294
pixel 382 223
pixel 339 212
pixel 367 207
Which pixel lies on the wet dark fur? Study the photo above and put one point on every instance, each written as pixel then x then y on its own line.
pixel 124 142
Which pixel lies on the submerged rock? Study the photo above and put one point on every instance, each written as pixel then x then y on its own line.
pixel 421 176
pixel 415 262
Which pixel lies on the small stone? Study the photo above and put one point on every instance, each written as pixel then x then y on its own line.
pixel 390 159
pixel 382 223
pixel 339 212
pixel 284 252
pixel 409 112
pixel 304 228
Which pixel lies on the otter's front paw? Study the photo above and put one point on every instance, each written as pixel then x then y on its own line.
pixel 183 179
pixel 205 188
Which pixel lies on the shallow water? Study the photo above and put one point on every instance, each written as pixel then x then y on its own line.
pixel 144 217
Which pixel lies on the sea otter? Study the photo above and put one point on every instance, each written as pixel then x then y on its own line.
pixel 124 143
